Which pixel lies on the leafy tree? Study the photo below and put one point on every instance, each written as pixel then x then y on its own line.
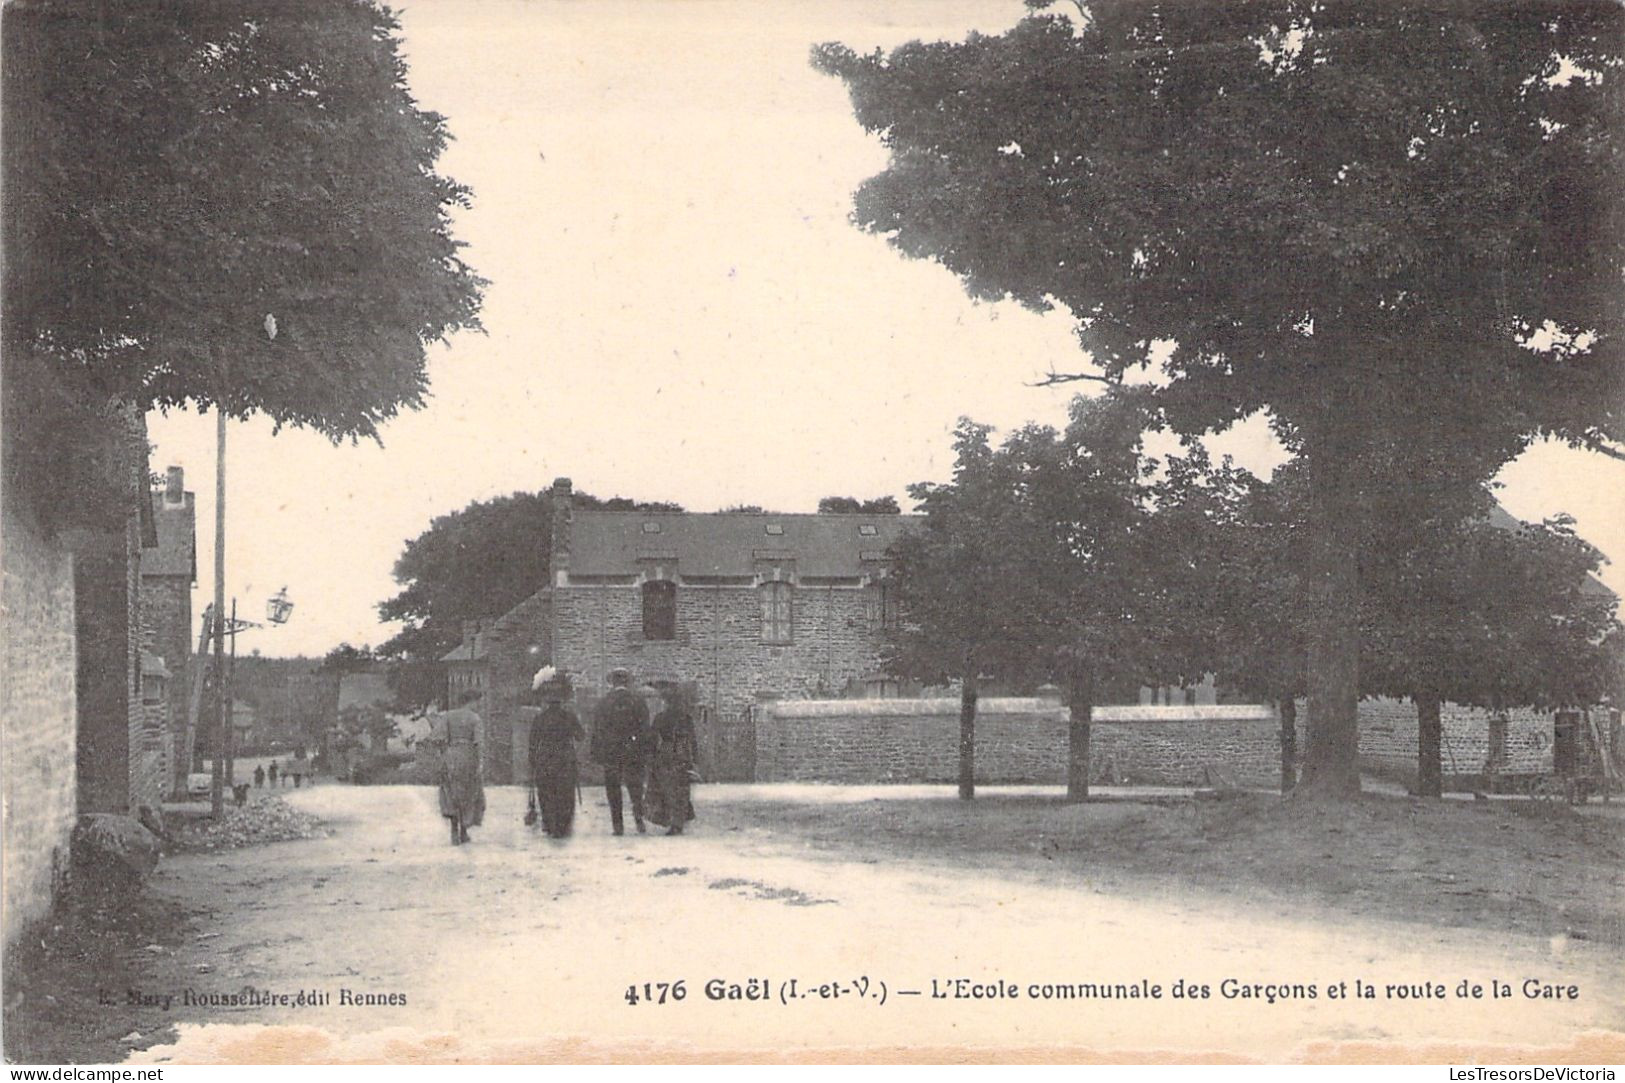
pixel 1057 554
pixel 849 505
pixel 959 584
pixel 745 509
pixel 1396 228
pixel 345 659
pixel 230 204
pixel 1494 614
pixel 1116 558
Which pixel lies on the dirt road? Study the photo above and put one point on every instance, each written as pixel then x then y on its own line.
pixel 517 947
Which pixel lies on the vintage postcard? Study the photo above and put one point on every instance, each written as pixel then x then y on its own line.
pixel 857 531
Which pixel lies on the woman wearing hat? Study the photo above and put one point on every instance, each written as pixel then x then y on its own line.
pixel 553 737
pixel 462 793
pixel 673 756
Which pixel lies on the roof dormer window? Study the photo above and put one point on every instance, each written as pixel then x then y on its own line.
pixel 868 530
pixel 651 527
pixel 775 529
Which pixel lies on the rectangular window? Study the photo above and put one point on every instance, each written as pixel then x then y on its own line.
pixel 883 608
pixel 660 609
pixel 777 612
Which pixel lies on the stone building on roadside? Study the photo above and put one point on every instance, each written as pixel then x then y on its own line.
pixel 465 664
pixel 168 577
pixel 742 607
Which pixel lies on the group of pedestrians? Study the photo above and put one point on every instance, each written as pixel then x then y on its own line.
pixel 648 759
pixel 279 775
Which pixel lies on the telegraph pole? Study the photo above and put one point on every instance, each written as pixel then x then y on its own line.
pixel 217 798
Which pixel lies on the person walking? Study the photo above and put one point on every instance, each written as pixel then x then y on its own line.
pixel 671 760
pixel 462 793
pixel 553 737
pixel 620 739
pixel 259 776
pixel 271 774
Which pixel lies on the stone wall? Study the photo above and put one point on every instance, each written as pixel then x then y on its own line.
pixel 908 740
pixel 1388 740
pixel 1018 740
pixel 1174 745
pixel 37 703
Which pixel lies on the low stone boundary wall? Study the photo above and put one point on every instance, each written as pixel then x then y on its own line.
pixel 1172 745
pixel 1018 740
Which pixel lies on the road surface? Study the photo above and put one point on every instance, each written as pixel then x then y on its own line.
pixel 518 947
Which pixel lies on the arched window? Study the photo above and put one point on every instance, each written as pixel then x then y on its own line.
pixel 659 609
pixel 777 612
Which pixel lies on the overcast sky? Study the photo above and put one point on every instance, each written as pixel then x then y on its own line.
pixel 679 307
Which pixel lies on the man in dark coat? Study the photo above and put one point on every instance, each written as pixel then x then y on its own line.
pixel 620 742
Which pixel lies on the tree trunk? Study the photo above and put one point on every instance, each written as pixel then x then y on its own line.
pixel 1429 730
pixel 1331 768
pixel 1080 713
pixel 967 739
pixel 1289 743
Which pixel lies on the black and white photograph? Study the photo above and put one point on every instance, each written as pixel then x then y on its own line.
pixel 856 531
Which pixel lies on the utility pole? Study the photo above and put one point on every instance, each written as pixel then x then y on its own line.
pixel 231 701
pixel 217 797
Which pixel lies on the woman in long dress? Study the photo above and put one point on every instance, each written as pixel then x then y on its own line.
pixel 673 756
pixel 462 793
pixel 553 737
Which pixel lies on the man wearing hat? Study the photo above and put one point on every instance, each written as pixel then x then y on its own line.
pixel 620 741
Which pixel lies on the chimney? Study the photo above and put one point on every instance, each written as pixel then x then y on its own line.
pixel 471 628
pixel 563 498
pixel 175 486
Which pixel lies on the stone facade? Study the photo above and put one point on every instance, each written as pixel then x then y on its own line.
pixel 37 703
pixel 514 647
pixel 168 576
pixel 119 768
pixel 742 608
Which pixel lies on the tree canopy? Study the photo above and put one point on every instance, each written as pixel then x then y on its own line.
pixel 1395 228
pixel 851 505
pixel 228 203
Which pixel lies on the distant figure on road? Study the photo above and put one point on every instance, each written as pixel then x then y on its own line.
pixel 620 739
pixel 271 774
pixel 298 767
pixel 259 777
pixel 673 756
pixel 462 794
pixel 553 737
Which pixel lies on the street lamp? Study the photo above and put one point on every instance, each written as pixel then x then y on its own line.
pixel 278 607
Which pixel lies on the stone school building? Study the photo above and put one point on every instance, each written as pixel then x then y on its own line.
pixel 741 607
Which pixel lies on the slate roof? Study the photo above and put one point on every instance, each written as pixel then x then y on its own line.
pixel 462 653
pixel 611 543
